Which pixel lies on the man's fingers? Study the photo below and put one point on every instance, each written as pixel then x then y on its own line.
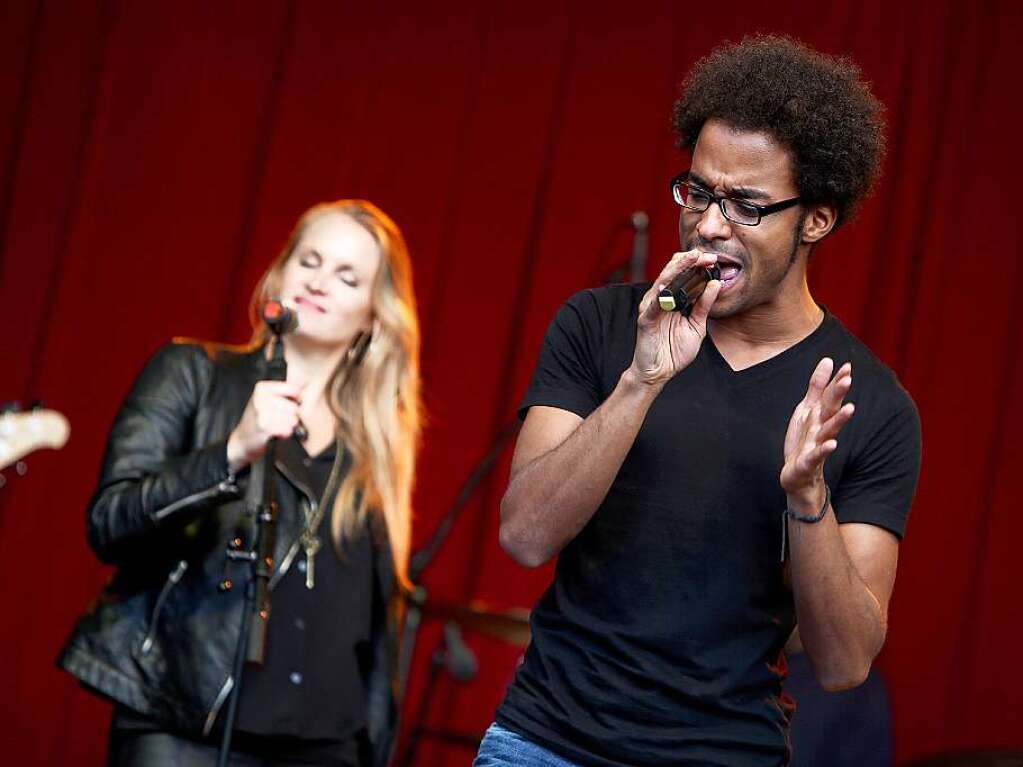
pixel 668 272
pixel 649 309
pixel 821 416
pixel 815 429
pixel 811 461
pixel 831 399
pixel 830 428
pixel 813 418
pixel 702 309
pixel 799 426
pixel 819 380
pixel 820 453
pixel 679 263
pixel 838 387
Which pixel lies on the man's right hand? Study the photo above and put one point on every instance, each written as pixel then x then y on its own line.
pixel 272 411
pixel 666 342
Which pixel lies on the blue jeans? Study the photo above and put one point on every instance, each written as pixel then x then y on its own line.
pixel 504 748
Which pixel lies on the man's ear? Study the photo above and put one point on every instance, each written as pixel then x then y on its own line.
pixel 819 221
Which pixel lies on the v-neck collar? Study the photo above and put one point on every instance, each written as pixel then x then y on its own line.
pixel 779 360
pixel 327 453
pixel 294 463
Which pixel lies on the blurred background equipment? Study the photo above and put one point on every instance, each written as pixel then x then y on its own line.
pixel 22 433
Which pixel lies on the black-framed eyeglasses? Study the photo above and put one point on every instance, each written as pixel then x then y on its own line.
pixel 743 212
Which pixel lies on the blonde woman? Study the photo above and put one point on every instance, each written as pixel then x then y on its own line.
pixel 170 505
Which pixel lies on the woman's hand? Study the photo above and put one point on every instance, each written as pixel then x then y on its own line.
pixel 272 411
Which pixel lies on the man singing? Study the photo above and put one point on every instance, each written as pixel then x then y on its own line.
pixel 710 481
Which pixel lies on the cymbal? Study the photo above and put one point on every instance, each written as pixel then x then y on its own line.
pixel 511 625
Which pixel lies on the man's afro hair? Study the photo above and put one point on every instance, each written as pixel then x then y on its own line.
pixel 817 106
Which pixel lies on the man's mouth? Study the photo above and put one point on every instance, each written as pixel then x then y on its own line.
pixel 730 270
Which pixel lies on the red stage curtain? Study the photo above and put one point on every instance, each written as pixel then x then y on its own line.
pixel 153 157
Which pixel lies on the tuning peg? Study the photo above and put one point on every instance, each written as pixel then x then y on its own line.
pixel 21 468
pixel 11 406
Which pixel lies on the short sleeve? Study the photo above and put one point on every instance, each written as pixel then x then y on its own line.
pixel 568 372
pixel 878 485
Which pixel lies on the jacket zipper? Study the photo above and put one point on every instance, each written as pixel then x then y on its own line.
pixel 289 557
pixel 211 717
pixel 224 486
pixel 172 579
pixel 225 690
pixel 300 486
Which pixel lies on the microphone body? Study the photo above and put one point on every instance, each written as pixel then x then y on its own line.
pixel 685 290
pixel 279 318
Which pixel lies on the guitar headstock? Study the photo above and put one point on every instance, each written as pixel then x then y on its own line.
pixel 22 433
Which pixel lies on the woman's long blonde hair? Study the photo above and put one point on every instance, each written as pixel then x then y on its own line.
pixel 374 393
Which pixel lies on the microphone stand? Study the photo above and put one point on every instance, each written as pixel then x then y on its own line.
pixel 424 557
pixel 635 268
pixel 640 246
pixel 639 222
pixel 421 560
pixel 251 645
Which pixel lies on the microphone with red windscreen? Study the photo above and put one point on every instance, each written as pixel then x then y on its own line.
pixel 279 318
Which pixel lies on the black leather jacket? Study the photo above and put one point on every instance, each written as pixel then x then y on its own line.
pixel 161 637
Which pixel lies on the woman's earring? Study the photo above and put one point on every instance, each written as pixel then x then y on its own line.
pixel 357 350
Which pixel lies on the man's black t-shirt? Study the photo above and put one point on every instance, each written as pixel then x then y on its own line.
pixel 659 640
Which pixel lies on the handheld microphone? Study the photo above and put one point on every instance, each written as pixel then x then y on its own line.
pixel 279 318
pixel 685 290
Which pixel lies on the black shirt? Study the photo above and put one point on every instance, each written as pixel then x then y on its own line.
pixel 311 685
pixel 659 640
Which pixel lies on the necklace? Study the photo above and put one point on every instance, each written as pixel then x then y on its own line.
pixel 310 539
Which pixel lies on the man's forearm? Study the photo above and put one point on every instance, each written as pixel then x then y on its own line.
pixel 841 623
pixel 552 498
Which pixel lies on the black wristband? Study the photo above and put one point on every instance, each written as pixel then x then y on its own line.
pixel 816 517
pixel 807 518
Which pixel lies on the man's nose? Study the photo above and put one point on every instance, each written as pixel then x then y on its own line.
pixel 713 225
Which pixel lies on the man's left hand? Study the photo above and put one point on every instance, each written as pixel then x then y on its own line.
pixel 812 432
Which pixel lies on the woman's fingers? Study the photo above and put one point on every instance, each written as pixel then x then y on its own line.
pixel 291 390
pixel 276 406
